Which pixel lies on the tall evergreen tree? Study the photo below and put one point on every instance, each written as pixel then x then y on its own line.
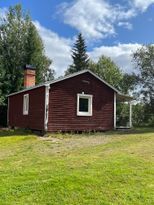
pixel 79 56
pixel 20 44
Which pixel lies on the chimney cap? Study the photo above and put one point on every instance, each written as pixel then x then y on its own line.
pixel 29 67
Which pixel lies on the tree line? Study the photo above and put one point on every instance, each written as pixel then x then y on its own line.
pixel 21 44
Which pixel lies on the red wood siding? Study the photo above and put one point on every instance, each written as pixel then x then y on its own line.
pixel 63 105
pixel 35 118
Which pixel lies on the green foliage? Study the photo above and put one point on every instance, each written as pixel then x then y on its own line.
pixel 111 73
pixel 122 114
pixel 20 44
pixel 128 83
pixel 35 55
pixel 79 56
pixel 101 169
pixel 148 116
pixel 138 114
pixel 2 98
pixel 144 58
pixel 107 70
pixel 3 115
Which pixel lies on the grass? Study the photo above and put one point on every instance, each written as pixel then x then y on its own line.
pixel 93 169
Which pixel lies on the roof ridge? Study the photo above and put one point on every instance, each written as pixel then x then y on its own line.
pixel 67 77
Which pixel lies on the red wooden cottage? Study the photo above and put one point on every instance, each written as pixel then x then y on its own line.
pixel 78 102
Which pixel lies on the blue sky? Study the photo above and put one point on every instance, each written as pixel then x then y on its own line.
pixel 114 28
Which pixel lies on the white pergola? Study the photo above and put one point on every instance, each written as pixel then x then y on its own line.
pixel 122 98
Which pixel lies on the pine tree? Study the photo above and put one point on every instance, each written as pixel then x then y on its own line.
pixel 79 56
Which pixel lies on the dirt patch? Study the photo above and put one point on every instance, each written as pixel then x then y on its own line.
pixel 53 140
pixel 4 128
pixel 76 142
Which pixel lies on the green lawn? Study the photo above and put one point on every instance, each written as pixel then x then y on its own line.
pixel 102 168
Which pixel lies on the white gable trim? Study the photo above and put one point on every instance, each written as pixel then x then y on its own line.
pixel 115 110
pixel 103 81
pixel 67 77
pixel 46 108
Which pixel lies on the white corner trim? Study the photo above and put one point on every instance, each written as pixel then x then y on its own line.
pixel 115 109
pixel 25 104
pixel 46 108
pixel 130 114
pixel 90 102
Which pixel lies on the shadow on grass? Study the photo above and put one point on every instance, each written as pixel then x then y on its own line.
pixel 141 130
pixel 11 133
pixel 101 133
pixel 23 132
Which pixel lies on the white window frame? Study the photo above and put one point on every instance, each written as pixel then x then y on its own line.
pixel 25 104
pixel 90 102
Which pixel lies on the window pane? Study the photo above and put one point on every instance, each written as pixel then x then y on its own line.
pixel 25 104
pixel 83 105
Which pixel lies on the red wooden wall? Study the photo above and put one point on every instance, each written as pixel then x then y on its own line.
pixel 35 118
pixel 63 105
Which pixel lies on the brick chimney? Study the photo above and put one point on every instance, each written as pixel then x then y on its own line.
pixel 29 76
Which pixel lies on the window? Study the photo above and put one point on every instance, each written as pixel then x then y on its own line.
pixel 84 105
pixel 25 104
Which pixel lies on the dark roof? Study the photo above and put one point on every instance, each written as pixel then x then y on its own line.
pixel 29 67
pixel 67 77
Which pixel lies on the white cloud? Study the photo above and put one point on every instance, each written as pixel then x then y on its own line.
pixel 3 12
pixel 121 54
pixel 97 19
pixel 126 25
pixel 142 4
pixel 57 48
pixel 94 18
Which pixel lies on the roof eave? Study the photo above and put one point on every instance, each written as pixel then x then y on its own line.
pixel 124 98
pixel 27 89
pixel 67 77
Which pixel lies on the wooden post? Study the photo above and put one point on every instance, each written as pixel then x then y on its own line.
pixel 115 108
pixel 8 113
pixel 46 109
pixel 130 114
